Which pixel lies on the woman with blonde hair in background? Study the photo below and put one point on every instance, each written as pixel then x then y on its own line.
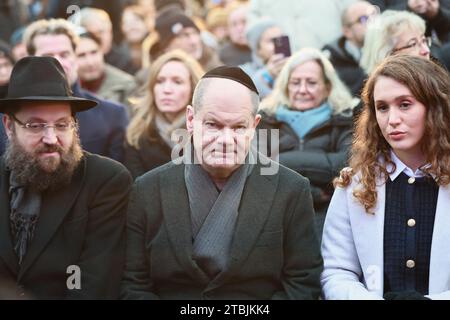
pixel 172 79
pixel 312 109
pixel 393 33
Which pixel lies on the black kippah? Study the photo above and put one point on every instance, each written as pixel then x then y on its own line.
pixel 232 73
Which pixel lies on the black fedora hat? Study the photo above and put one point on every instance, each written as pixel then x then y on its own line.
pixel 40 79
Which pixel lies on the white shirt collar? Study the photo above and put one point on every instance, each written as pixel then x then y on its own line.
pixel 401 167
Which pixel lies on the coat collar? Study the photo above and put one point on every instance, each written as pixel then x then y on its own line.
pixel 254 210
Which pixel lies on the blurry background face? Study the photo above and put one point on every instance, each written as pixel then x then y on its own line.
pixel 91 64
pixel 103 30
pixel 413 42
pixel 223 127
pixel 5 70
pixel 60 48
pixel 133 27
pixel 266 47
pixel 306 87
pixel 237 22
pixel 418 6
pixel 172 90
pixel 357 18
pixel 188 40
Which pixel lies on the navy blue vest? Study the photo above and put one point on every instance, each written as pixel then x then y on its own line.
pixel 408 229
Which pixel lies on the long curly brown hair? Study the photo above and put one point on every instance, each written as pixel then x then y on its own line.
pixel 429 83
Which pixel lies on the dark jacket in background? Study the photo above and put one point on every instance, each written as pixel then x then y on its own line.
pixel 151 154
pixel 319 156
pixel 274 252
pixel 346 66
pixel 102 129
pixel 234 55
pixel 13 14
pixel 119 57
pixel 81 224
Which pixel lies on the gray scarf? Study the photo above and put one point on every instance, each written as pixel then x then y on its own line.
pixel 213 215
pixel 166 128
pixel 25 207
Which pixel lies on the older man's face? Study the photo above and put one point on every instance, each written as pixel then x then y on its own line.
pixel 223 127
pixel 188 40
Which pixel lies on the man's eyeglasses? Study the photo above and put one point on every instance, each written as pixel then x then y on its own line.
pixel 39 128
pixel 362 19
pixel 415 44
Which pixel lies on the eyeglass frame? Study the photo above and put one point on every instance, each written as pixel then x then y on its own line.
pixel 426 40
pixel 361 20
pixel 72 125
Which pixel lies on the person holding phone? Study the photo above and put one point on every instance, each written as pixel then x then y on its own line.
pixel 263 37
pixel 312 110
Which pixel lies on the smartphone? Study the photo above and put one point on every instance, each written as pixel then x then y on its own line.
pixel 282 45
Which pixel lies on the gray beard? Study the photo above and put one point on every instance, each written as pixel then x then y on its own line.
pixel 31 172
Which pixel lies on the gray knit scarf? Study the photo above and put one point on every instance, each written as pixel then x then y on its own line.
pixel 25 207
pixel 214 215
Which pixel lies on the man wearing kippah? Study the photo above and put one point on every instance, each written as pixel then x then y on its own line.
pixel 62 210
pixel 221 226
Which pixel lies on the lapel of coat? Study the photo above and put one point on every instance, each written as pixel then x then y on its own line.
pixel 6 246
pixel 176 211
pixel 439 258
pixel 368 234
pixel 55 206
pixel 256 203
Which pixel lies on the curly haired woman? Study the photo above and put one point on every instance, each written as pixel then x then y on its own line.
pixel 387 229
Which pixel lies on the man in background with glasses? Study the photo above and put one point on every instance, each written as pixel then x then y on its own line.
pixel 345 52
pixel 62 210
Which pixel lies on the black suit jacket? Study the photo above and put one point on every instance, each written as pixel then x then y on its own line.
pixel 274 254
pixel 102 129
pixel 81 224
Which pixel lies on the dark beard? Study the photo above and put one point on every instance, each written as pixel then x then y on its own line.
pixel 45 174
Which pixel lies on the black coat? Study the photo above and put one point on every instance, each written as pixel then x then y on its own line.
pixel 346 66
pixel 151 154
pixel 319 156
pixel 274 252
pixel 102 129
pixel 81 224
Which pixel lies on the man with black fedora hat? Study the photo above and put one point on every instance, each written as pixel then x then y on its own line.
pixel 227 223
pixel 62 210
